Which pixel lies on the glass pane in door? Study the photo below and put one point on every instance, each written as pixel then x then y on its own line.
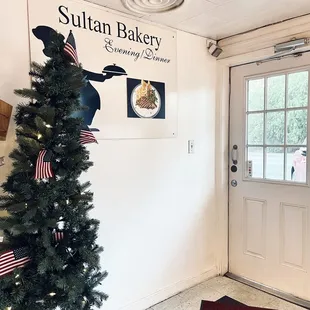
pixel 296 164
pixel 297 127
pixel 276 92
pixel 256 94
pixel 256 128
pixel 275 128
pixel 298 89
pixel 275 163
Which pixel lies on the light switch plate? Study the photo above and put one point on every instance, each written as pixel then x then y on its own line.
pixel 191 147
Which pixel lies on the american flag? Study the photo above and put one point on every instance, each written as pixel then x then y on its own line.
pixel 86 136
pixel 57 235
pixel 13 259
pixel 43 166
pixel 70 48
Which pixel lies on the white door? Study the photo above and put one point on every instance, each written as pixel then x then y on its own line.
pixel 269 198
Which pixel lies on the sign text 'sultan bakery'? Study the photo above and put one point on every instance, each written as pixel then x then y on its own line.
pixel 87 22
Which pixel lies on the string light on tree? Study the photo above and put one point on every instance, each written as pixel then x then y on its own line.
pixel 48 125
pixel 39 136
pixel 52 294
pixel 85 267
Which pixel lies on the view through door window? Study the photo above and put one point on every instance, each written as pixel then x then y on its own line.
pixel 277 118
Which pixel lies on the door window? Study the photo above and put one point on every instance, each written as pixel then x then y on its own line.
pixel 277 121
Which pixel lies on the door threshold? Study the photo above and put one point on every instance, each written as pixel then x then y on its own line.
pixel 285 296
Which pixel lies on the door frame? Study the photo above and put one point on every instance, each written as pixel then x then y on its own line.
pixel 238 50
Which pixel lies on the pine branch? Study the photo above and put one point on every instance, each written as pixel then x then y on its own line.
pixel 37 68
pixel 6 200
pixel 47 113
pixel 14 207
pixel 29 94
pixel 29 145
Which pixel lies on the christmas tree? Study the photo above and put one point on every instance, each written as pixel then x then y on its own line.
pixel 51 260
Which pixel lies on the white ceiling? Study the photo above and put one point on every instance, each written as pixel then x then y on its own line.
pixel 217 19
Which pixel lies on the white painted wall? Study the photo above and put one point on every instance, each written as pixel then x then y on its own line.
pixel 156 203
pixel 14 64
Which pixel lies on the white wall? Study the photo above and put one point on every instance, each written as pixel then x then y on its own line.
pixel 156 203
pixel 14 64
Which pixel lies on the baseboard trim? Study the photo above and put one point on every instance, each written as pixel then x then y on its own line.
pixel 169 291
pixel 285 296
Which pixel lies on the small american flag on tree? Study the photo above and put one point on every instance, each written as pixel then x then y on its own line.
pixel 57 235
pixel 43 166
pixel 86 136
pixel 70 48
pixel 13 259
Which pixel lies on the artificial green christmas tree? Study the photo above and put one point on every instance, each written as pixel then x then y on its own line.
pixel 48 231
